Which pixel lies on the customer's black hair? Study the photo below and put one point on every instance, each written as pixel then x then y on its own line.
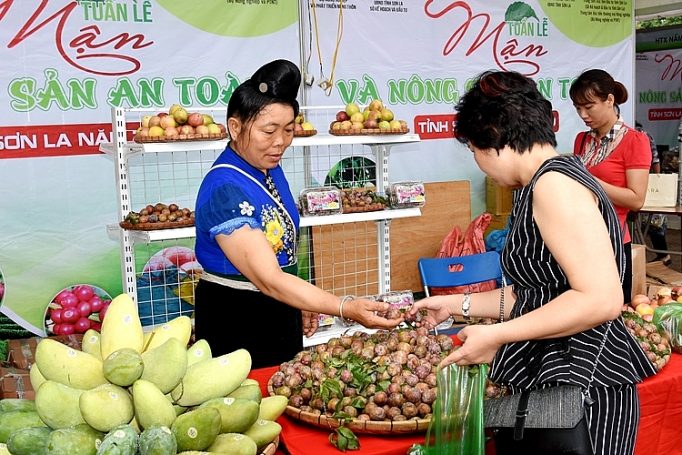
pixel 504 108
pixel 275 82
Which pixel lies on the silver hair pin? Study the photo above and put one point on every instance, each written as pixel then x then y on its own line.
pixel 263 87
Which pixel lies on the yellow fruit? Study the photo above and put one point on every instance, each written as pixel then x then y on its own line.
pixel 155 131
pixel 180 328
pixel 121 327
pixel 151 405
pixel 165 365
pixel 58 405
pixel 68 366
pixel 174 108
pixel 212 378
pixel 352 108
pixel 644 308
pixel 272 407
pixel 106 407
pixel 90 343
pixel 200 350
pixel 307 126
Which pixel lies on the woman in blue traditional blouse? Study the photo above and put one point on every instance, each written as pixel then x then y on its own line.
pixel 247 234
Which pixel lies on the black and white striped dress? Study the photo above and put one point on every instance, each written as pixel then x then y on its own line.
pixel 538 279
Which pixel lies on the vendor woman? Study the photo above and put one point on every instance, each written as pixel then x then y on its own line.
pixel 249 295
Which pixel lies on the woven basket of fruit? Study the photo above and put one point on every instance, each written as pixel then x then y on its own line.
pixel 180 137
pixel 367 131
pixel 355 200
pixel 384 383
pixel 159 216
pixel 304 133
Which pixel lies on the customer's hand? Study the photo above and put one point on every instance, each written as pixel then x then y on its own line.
pixel 437 311
pixel 368 313
pixel 310 323
pixel 479 345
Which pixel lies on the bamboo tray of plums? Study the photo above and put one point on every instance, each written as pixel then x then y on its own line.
pixel 383 383
pixel 158 216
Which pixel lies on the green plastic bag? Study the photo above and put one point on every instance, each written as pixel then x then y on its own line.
pixel 668 319
pixel 457 426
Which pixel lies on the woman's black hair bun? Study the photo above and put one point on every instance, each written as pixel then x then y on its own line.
pixel 278 79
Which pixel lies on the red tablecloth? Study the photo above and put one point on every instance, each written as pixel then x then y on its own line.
pixel 659 428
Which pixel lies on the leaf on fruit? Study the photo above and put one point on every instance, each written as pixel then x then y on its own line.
pixel 518 11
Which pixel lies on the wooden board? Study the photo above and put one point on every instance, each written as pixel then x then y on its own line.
pixel 345 256
pixel 448 204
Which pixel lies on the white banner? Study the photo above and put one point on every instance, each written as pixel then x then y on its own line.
pixel 66 63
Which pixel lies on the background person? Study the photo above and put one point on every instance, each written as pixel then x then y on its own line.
pixel 616 154
pixel 247 223
pixel 556 312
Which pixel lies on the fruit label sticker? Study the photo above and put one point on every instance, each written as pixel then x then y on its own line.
pixel 223 362
pixel 192 432
pixel 120 434
pixel 127 319
pixel 228 400
pixel 114 397
pixel 165 327
pixel 321 201
pixel 165 429
pixel 71 353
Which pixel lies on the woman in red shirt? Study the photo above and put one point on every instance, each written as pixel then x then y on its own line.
pixel 616 154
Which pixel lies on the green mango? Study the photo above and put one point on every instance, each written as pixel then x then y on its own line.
pixel 197 429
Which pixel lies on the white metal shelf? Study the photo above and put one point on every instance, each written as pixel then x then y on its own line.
pixel 134 148
pixel 114 230
pixel 160 170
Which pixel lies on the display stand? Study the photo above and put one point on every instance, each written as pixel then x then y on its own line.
pixel 147 173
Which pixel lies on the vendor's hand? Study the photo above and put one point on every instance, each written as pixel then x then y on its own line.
pixel 437 310
pixel 310 323
pixel 479 345
pixel 368 313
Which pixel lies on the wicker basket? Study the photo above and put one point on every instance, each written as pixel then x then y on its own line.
pixel 358 426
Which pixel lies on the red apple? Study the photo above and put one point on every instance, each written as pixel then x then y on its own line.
pixel 341 116
pixel 202 130
pixel 195 119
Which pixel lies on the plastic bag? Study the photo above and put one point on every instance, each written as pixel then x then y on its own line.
pixel 162 297
pixel 457 426
pixel 667 319
pixel 455 244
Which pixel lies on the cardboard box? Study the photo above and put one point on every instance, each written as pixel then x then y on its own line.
pixel 498 200
pixel 16 383
pixel 21 352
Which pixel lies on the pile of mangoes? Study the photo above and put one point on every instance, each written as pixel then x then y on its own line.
pixel 130 392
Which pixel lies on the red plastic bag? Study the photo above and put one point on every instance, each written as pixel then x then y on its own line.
pixel 455 244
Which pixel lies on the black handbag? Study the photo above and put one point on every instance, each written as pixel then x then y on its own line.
pixel 542 421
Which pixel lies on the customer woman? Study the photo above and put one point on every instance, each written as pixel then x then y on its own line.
pixel 249 295
pixel 564 254
pixel 617 155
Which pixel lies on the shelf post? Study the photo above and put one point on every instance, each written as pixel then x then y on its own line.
pixel 118 118
pixel 381 152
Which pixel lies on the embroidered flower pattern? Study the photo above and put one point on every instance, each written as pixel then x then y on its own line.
pixel 246 208
pixel 274 229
